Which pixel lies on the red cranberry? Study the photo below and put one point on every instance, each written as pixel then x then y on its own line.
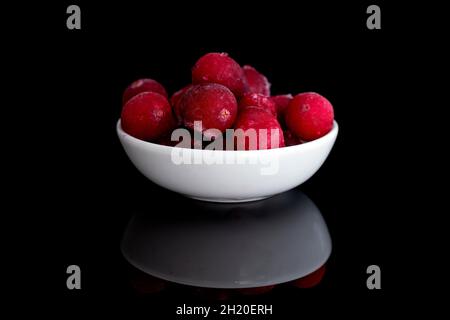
pixel 219 68
pixel 257 100
pixel 281 103
pixel 192 144
pixel 309 116
pixel 147 116
pixel 175 101
pixel 167 141
pixel 143 85
pixel 311 279
pixel 290 139
pixel 211 103
pixel 256 82
pixel 256 119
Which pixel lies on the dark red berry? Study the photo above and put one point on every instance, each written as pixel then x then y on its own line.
pixel 309 116
pixel 212 104
pixel 219 68
pixel 291 139
pixel 147 116
pixel 255 123
pixel 257 100
pixel 167 141
pixel 175 101
pixel 143 85
pixel 281 103
pixel 256 82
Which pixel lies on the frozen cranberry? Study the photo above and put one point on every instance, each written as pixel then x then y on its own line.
pixel 256 290
pixel 311 279
pixel 219 68
pixel 167 141
pixel 252 120
pixel 212 104
pixel 256 82
pixel 257 100
pixel 281 102
pixel 176 96
pixel 147 116
pixel 309 116
pixel 191 144
pixel 194 142
pixel 291 139
pixel 175 101
pixel 143 85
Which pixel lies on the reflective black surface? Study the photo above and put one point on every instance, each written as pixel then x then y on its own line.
pixel 238 245
pixel 83 191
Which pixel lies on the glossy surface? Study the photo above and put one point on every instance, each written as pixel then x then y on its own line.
pixel 230 245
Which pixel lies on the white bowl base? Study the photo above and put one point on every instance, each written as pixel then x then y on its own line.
pixel 221 200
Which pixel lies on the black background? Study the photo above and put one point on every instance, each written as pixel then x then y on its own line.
pixel 91 189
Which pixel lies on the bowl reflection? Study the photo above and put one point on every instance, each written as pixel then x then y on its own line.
pixel 238 245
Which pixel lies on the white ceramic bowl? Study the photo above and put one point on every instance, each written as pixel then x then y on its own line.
pixel 227 176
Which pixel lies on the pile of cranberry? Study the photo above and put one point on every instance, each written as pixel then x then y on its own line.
pixel 223 95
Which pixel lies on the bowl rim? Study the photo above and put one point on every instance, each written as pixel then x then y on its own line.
pixel 161 147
